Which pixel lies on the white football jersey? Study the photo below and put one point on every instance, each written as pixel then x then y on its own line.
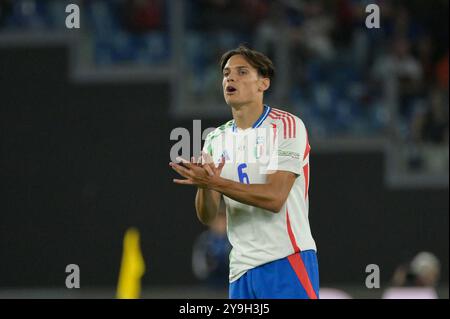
pixel 277 141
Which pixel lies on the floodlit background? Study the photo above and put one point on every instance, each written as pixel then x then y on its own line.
pixel 86 117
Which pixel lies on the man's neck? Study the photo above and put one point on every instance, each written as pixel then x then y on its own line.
pixel 246 115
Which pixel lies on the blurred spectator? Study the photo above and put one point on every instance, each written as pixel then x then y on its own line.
pixel 256 11
pixel 415 280
pixel 210 254
pixel 442 72
pixel 425 51
pixel 143 15
pixel 314 32
pixel 345 17
pixel 404 25
pixel 432 125
pixel 229 15
pixel 28 14
pixel 399 74
pixel 400 275
pixel 423 271
pixel 267 32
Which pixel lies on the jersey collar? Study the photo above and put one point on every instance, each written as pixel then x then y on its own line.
pixel 259 121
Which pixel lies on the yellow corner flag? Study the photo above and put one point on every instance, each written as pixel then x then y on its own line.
pixel 132 267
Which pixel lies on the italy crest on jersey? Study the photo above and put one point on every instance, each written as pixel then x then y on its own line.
pixel 259 146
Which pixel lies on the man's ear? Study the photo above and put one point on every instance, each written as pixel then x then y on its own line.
pixel 264 84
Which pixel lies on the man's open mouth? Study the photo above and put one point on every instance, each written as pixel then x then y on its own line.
pixel 230 89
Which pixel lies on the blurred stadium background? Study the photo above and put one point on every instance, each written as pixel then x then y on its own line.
pixel 86 116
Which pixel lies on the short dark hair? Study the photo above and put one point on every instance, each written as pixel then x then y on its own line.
pixel 259 61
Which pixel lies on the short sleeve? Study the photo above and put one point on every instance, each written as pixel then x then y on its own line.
pixel 290 151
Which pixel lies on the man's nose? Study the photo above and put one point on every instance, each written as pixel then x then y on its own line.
pixel 230 78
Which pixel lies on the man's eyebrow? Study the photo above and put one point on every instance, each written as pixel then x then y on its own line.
pixel 236 67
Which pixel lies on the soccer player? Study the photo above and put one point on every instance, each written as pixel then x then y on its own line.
pixel 258 163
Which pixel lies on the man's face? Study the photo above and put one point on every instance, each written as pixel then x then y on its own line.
pixel 241 82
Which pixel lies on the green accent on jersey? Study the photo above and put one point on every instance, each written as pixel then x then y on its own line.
pixel 218 131
pixel 209 149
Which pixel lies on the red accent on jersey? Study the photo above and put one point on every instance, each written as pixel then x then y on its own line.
pixel 308 147
pixel 288 122
pixel 274 127
pixel 292 126
pixel 306 174
pixel 290 232
pixel 283 116
pixel 297 264
pixel 278 118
